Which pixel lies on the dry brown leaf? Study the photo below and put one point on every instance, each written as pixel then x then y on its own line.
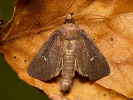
pixel 32 23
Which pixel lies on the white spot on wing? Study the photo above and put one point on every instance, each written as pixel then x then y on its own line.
pixel 93 58
pixel 44 58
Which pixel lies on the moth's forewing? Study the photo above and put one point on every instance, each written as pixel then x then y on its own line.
pixel 46 64
pixel 90 61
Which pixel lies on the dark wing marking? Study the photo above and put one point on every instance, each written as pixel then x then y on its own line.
pixel 90 61
pixel 46 64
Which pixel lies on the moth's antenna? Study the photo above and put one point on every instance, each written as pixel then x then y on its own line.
pixel 104 16
pixel 55 20
pixel 96 18
pixel 73 16
pixel 65 17
pixel 89 15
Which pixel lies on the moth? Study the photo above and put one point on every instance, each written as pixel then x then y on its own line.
pixel 66 50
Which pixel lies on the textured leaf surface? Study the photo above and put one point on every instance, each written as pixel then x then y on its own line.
pixel 34 20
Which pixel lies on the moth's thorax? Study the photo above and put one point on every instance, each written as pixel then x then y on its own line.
pixel 70 31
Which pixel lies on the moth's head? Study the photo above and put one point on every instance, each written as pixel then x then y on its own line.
pixel 69 19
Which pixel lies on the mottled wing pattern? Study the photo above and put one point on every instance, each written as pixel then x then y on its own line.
pixel 46 64
pixel 90 61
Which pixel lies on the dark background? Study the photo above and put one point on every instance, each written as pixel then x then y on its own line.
pixel 11 87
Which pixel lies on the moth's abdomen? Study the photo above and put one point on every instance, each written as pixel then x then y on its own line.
pixel 68 71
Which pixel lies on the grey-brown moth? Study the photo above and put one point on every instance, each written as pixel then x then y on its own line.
pixel 66 50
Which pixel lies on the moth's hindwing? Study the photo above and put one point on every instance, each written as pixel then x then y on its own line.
pixel 90 61
pixel 46 64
